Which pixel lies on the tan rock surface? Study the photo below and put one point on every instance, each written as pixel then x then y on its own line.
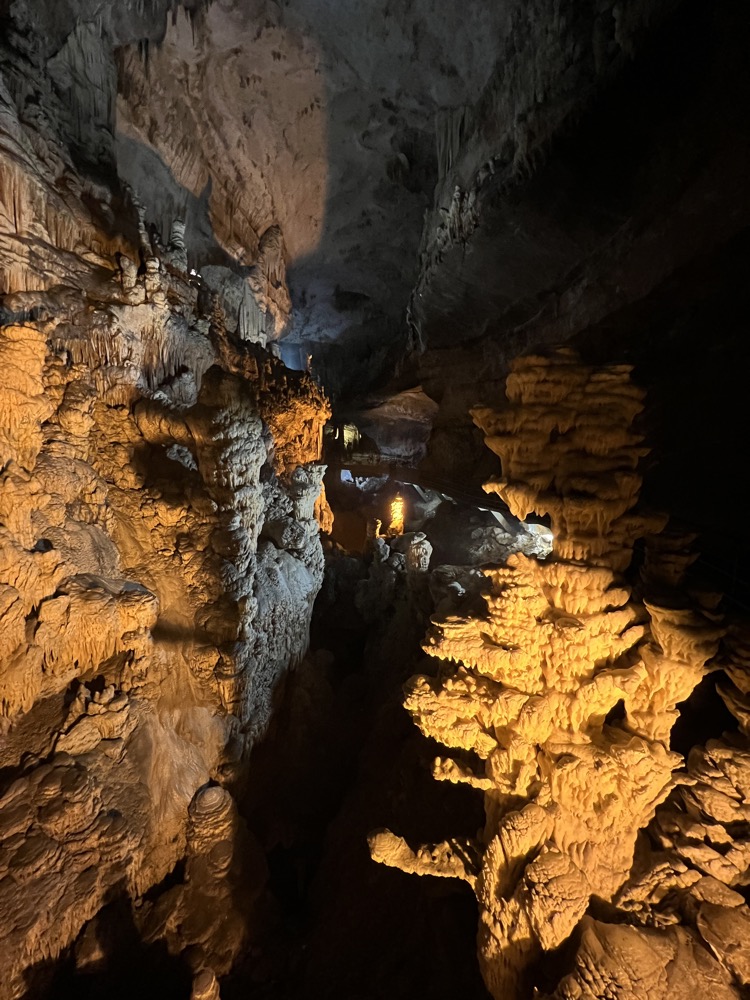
pixel 565 692
pixel 148 605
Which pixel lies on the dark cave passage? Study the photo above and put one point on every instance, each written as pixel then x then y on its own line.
pixel 356 764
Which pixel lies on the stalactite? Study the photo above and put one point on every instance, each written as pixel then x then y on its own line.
pixel 530 92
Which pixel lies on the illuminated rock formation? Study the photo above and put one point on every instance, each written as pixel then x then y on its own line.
pixel 396 526
pixel 565 692
pixel 159 558
pixel 205 917
pixel 173 174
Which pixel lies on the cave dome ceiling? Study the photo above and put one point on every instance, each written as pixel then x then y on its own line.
pixel 319 117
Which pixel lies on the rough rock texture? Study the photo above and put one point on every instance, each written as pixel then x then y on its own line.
pixel 597 195
pixel 561 699
pixel 162 164
pixel 159 551
pixel 399 426
pixel 65 141
pixel 555 59
pixel 299 130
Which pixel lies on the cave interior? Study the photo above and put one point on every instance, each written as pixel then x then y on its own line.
pixel 374 596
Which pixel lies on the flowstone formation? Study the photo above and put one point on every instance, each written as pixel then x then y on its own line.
pixel 560 701
pixel 160 492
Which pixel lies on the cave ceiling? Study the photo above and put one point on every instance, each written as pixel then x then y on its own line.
pixel 319 117
pixel 426 180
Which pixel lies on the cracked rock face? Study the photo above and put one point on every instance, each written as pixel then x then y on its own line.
pixel 564 695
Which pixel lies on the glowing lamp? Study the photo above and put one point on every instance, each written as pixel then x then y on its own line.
pixel 396 526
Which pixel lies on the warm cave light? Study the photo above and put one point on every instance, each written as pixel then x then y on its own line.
pixel 351 436
pixel 397 516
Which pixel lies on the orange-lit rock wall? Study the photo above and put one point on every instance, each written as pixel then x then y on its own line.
pixel 159 558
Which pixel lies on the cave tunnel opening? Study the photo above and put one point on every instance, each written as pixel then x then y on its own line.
pixel 703 716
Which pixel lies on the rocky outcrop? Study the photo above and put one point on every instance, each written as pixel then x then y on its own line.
pixel 162 164
pixel 159 558
pixel 560 702
pixel 73 158
pixel 205 917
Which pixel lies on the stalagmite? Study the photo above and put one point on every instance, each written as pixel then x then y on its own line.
pixel 568 782
pixel 419 553
pixel 258 260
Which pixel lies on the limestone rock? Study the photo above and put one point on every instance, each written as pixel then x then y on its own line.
pixel 533 687
pixel 145 618
pixel 615 960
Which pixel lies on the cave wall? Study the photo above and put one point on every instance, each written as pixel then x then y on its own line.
pixel 606 206
pixel 281 132
pixel 160 491
pixel 159 540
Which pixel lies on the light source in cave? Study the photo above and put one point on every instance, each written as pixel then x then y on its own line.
pixel 351 436
pixel 396 527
